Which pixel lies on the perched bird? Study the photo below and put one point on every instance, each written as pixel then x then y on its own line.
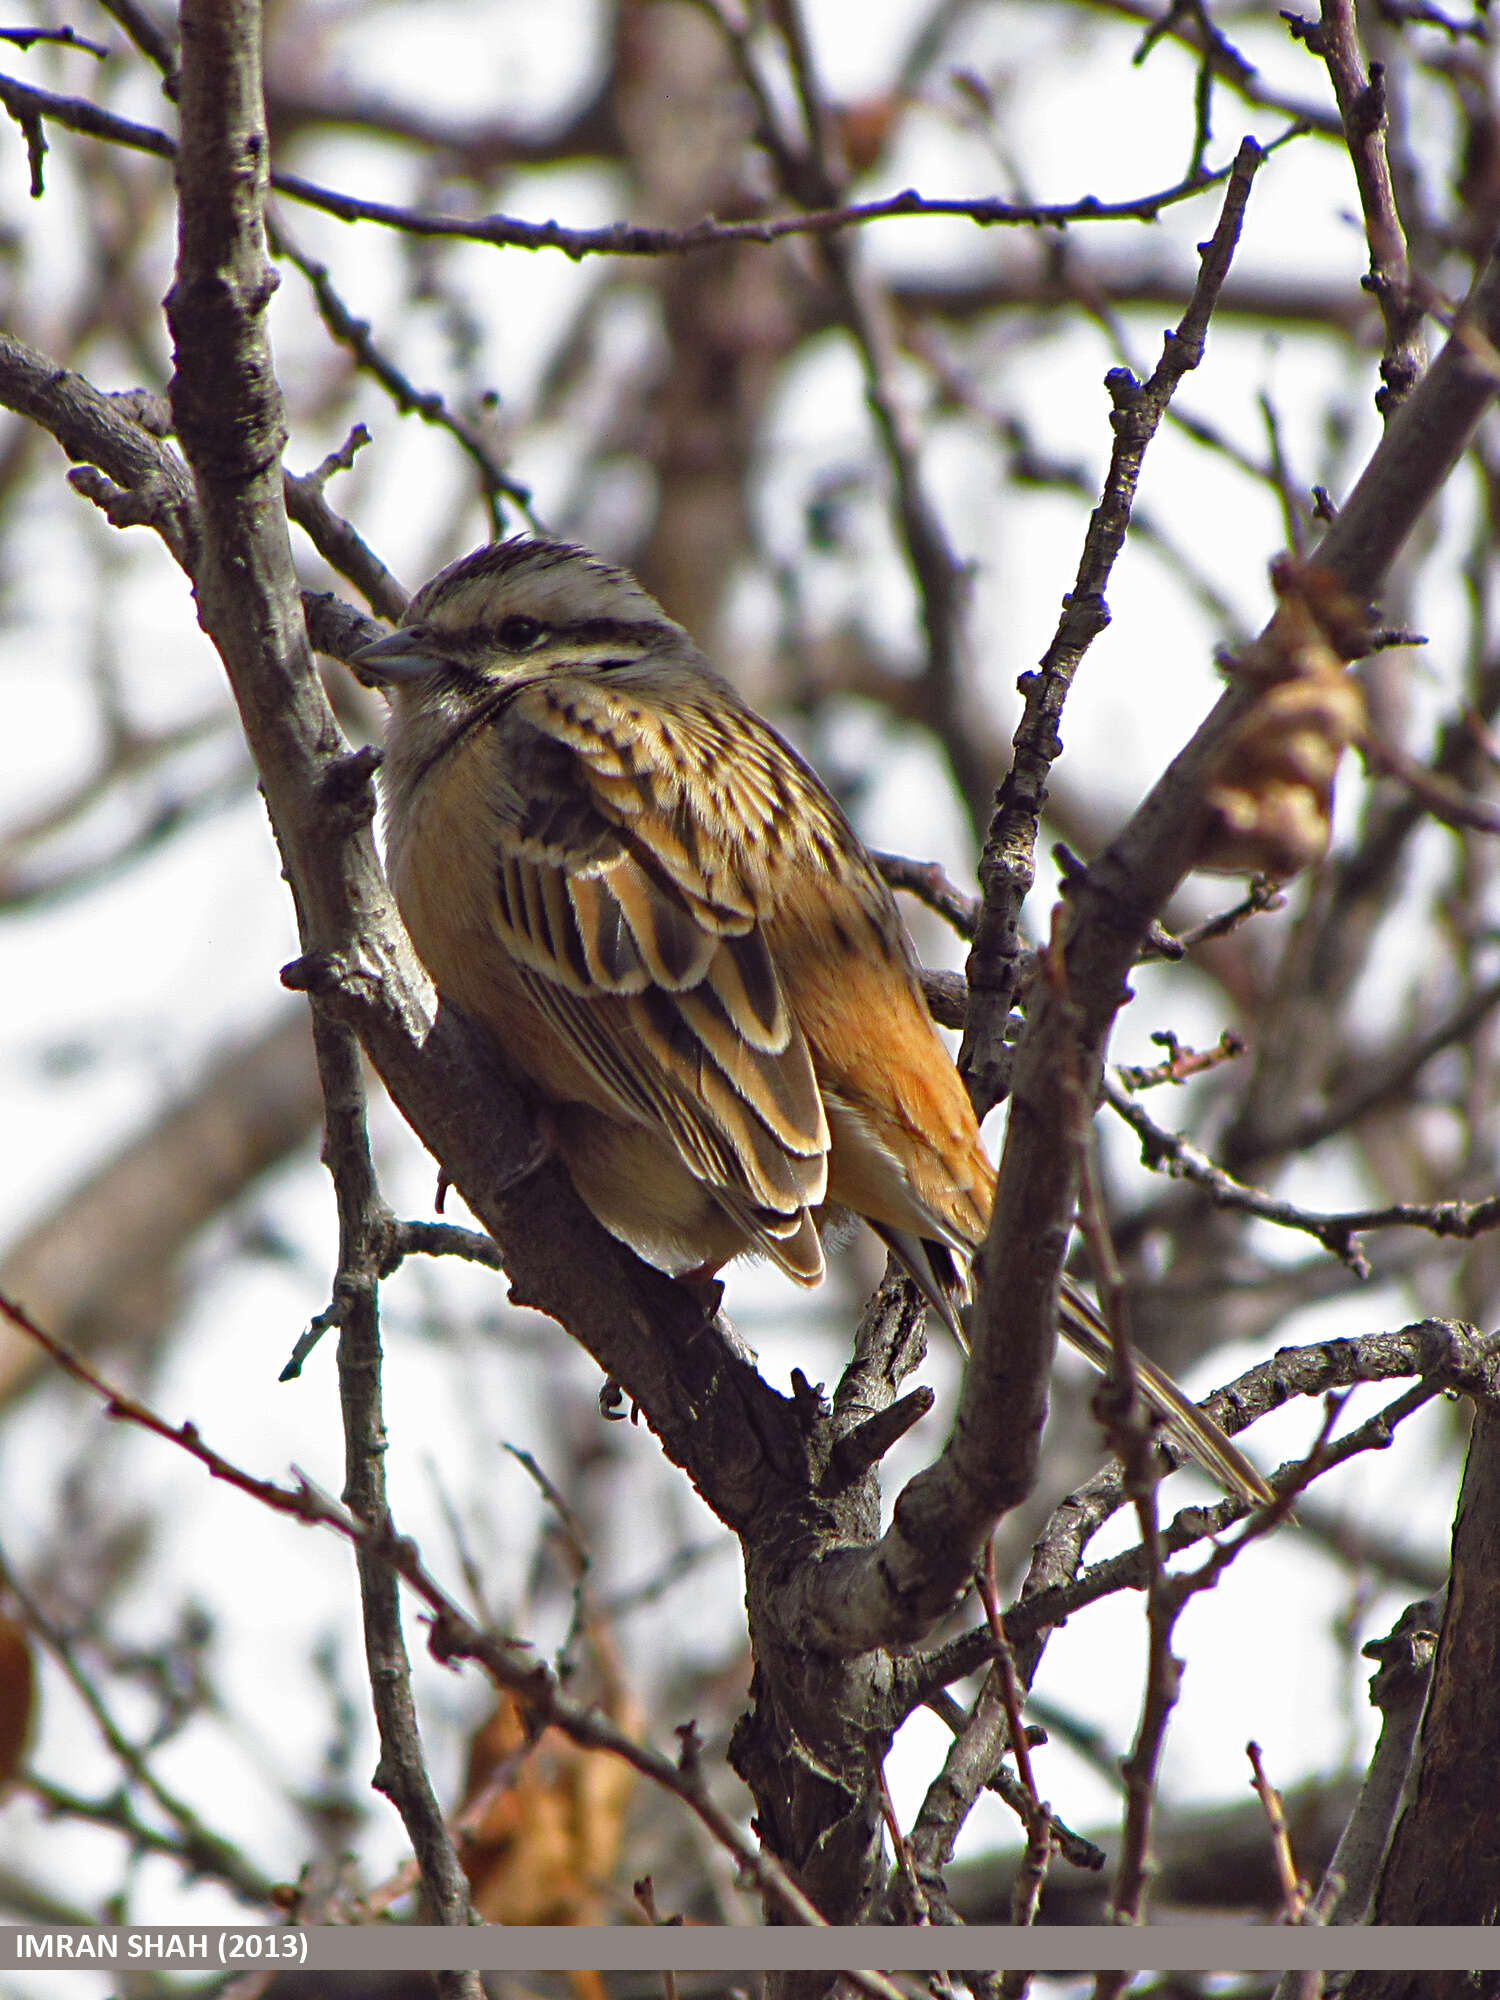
pixel 678 941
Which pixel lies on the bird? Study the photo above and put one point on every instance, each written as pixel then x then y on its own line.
pixel 679 944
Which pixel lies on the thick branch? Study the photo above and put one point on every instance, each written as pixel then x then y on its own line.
pixel 941 1518
pixel 1444 1862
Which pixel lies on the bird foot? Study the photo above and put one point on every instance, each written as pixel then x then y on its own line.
pixel 706 1288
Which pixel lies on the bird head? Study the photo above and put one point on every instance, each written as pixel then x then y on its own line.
pixel 509 614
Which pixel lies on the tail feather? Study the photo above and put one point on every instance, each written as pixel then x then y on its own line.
pixel 934 1270
pixel 1190 1429
pixel 937 1275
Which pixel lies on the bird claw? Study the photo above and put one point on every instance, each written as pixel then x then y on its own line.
pixel 706 1289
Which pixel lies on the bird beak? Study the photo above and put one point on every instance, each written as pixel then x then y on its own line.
pixel 400 656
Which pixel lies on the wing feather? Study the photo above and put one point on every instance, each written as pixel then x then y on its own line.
pixel 612 960
pixel 743 981
pixel 675 946
pixel 785 1098
pixel 631 891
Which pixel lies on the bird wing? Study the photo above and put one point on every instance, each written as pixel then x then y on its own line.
pixel 630 897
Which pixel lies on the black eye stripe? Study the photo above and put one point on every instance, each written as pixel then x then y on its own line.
pixel 519 633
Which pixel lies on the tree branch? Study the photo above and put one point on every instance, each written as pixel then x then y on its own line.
pixel 1442 1354
pixel 1361 101
pixel 28 105
pixel 1007 870
pixel 364 1230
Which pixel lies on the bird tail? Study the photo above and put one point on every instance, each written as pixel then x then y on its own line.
pixel 937 1274
pixel 934 1270
pixel 1190 1429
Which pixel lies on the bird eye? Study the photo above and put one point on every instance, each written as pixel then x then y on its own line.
pixel 519 635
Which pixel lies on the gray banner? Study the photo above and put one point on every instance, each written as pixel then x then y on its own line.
pixel 1171 1948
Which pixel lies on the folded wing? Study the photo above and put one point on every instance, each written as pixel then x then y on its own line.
pixel 632 896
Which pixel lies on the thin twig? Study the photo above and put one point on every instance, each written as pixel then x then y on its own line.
pixel 645 1895
pixel 1264 895
pixel 355 335
pixel 1007 870
pixel 926 881
pixel 1293 1888
pixel 623 239
pixel 195 1845
pixel 1361 101
pixel 1031 1876
pixel 363 1221
pixel 1174 1154
pixel 1180 1063
pixel 26 38
pixel 454 1636
pixel 1131 1438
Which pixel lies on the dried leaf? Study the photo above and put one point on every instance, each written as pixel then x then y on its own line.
pixel 1269 798
pixel 864 128
pixel 543 1820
